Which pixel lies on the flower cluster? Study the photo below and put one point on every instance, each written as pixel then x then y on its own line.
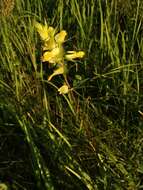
pixel 54 51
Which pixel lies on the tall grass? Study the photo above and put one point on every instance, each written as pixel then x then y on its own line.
pixel 46 140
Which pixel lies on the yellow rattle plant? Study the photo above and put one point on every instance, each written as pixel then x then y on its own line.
pixel 54 52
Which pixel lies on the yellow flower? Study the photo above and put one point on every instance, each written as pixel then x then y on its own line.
pixel 51 31
pixel 49 44
pixel 60 37
pixel 3 186
pixel 58 71
pixel 44 31
pixel 54 56
pixel 63 89
pixel 74 54
pixel 51 56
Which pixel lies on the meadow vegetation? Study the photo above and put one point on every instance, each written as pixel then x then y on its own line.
pixel 87 137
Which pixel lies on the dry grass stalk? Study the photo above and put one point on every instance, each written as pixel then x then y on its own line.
pixel 6 7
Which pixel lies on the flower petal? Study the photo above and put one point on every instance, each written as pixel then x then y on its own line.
pixel 58 71
pixel 63 89
pixel 51 56
pixel 42 30
pixel 51 31
pixel 49 45
pixel 60 37
pixel 74 54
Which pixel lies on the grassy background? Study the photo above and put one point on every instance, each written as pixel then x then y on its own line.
pixel 45 141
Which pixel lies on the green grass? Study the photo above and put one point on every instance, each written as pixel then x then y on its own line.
pixel 92 139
